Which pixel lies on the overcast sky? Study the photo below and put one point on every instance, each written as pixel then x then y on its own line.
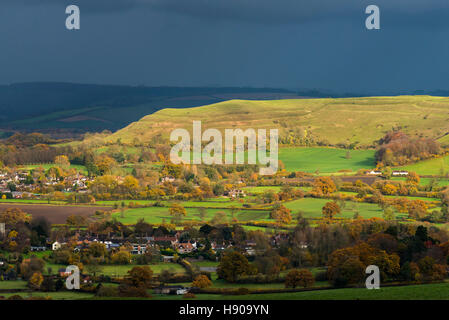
pixel 275 43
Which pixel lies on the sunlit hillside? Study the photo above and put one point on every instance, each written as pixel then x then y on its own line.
pixel 357 121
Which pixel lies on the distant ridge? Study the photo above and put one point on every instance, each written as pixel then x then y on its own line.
pixel 347 122
pixel 72 107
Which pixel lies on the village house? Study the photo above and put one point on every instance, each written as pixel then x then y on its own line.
pixel 399 173
pixel 235 193
pixel 17 194
pixel 175 290
pixel 139 248
pixel 64 273
pixel 38 248
pixel 111 245
pixel 277 239
pixel 168 258
pixel 56 246
pixel 163 240
pixel 167 179
pixel 219 247
pixel 374 173
pixel 249 247
pixel 185 247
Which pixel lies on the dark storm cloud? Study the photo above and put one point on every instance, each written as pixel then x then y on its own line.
pixel 97 6
pixel 409 12
pixel 273 43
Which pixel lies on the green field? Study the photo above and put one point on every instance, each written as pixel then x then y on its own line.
pixel 47 166
pixel 325 160
pixel 209 203
pixel 262 189
pixel 441 182
pixel 14 284
pixel 157 215
pixel 431 167
pixel 32 201
pixel 122 270
pixel 61 295
pixel 415 292
pixel 312 208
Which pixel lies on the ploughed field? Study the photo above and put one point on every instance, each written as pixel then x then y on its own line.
pixel 56 214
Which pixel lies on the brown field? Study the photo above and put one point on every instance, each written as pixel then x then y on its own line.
pixel 54 214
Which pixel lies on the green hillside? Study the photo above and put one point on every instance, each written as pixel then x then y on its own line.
pixel 435 167
pixel 359 121
pixel 326 160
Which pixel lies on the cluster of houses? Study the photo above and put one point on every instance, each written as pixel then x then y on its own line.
pixel 22 189
pixel 138 248
pixel 17 178
pixel 235 193
pixel 148 243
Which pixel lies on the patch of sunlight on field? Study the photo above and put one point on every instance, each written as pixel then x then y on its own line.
pixel 326 160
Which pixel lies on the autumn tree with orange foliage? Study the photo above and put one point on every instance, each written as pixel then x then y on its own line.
pixel 417 209
pixel 347 266
pixel 302 277
pixel 12 216
pixel 324 185
pixel 413 178
pixel 331 209
pixel 201 281
pixel 281 214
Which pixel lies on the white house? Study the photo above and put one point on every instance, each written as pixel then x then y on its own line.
pixel 56 246
pixel 399 173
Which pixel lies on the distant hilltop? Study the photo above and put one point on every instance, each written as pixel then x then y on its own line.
pixel 348 122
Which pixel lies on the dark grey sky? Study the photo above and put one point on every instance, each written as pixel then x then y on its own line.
pixel 276 43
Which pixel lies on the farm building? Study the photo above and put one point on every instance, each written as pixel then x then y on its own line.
pixel 236 193
pixel 178 290
pixel 399 173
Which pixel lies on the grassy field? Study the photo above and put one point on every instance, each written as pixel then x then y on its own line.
pixel 348 193
pixel 437 166
pixel 122 270
pixel 325 160
pixel 209 203
pixel 61 295
pixel 15 284
pixel 47 166
pixel 415 292
pixel 441 182
pixel 262 189
pixel 312 208
pixel 159 214
pixel 32 201
pixel 157 268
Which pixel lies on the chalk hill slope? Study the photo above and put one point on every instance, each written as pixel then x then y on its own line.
pixel 358 121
